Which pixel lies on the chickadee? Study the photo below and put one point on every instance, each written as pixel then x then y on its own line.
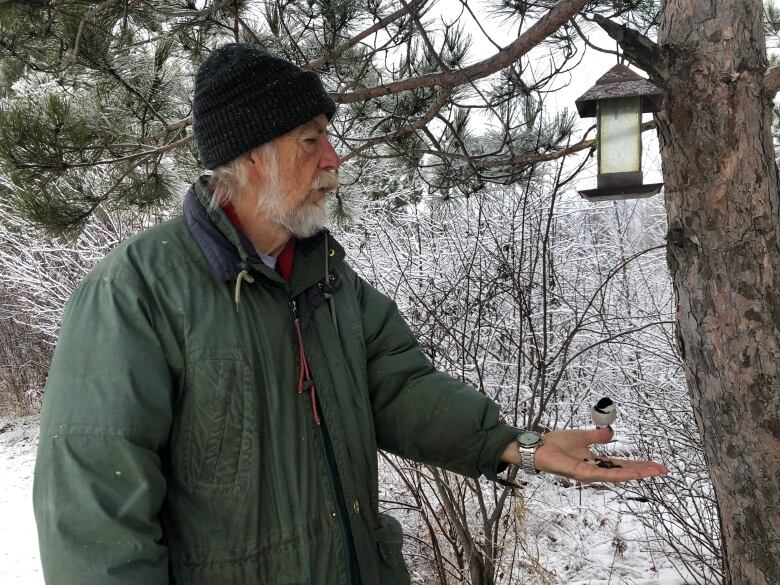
pixel 604 413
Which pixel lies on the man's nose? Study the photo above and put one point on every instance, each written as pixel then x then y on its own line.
pixel 329 160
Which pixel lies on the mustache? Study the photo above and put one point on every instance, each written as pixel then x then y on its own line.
pixel 329 181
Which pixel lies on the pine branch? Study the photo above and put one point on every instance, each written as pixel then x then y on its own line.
pixel 205 12
pixel 380 25
pixel 426 39
pixel 139 157
pixel 486 162
pixel 640 50
pixel 537 33
pixel 88 16
pixel 124 83
pixel 438 104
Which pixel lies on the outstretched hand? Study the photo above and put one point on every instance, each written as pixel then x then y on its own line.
pixel 566 453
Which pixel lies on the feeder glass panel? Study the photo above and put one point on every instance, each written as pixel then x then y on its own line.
pixel 620 137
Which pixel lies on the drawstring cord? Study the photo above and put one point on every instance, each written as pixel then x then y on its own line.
pixel 242 276
pixel 305 381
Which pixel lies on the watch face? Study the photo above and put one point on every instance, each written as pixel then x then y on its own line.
pixel 529 438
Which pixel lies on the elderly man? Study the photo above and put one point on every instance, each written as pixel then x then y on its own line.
pixel 223 380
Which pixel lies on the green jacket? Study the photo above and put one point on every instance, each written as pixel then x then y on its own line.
pixel 175 447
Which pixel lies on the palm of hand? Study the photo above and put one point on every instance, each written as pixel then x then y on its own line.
pixel 564 453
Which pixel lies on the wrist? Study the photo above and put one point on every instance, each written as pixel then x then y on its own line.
pixel 511 455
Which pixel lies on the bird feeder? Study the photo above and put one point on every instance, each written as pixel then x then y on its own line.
pixel 618 100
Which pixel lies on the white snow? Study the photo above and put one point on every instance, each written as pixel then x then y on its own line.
pixel 19 559
pixel 588 537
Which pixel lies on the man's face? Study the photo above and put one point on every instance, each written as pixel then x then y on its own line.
pixel 296 184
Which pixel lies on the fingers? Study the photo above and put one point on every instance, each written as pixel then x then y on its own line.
pixel 601 435
pixel 578 439
pixel 639 464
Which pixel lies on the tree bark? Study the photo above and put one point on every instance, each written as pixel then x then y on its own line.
pixel 722 204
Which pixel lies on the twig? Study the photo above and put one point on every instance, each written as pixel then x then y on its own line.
pixel 134 91
pixel 584 38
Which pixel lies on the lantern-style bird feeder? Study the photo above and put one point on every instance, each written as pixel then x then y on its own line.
pixel 619 99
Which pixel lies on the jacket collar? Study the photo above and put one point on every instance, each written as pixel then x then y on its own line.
pixel 227 251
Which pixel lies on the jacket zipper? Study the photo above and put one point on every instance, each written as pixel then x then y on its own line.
pixel 305 381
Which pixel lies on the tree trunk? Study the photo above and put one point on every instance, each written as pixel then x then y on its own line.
pixel 722 203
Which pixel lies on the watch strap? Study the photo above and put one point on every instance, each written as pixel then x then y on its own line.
pixel 527 458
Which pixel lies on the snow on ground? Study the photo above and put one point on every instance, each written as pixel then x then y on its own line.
pixel 588 537
pixel 572 536
pixel 19 560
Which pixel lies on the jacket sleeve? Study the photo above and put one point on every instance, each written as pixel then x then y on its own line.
pixel 422 414
pixel 98 483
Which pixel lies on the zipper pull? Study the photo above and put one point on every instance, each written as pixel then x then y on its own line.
pixel 293 309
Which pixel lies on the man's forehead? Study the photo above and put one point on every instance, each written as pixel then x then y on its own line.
pixel 319 123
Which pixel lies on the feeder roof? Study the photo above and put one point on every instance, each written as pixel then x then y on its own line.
pixel 620 82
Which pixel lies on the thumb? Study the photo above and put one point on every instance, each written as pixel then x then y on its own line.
pixel 602 435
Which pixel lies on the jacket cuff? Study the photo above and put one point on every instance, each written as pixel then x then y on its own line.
pixel 498 438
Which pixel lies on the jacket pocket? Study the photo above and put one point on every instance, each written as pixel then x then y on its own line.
pixel 389 541
pixel 214 452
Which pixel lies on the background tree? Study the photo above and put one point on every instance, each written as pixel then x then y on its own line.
pixel 97 113
pixel 722 202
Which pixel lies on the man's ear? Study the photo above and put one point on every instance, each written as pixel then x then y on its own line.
pixel 254 165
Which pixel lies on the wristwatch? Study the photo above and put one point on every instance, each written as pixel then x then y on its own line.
pixel 527 443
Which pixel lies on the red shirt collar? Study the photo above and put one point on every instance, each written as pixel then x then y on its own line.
pixel 284 262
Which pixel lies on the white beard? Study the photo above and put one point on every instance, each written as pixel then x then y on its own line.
pixel 306 218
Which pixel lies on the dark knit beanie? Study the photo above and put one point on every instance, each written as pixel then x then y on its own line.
pixel 245 96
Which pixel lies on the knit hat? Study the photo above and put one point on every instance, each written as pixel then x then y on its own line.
pixel 245 96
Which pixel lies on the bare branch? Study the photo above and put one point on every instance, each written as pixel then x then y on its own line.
pixel 183 123
pixel 532 159
pixel 481 163
pixel 537 33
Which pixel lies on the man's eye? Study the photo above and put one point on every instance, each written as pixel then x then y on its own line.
pixel 310 140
